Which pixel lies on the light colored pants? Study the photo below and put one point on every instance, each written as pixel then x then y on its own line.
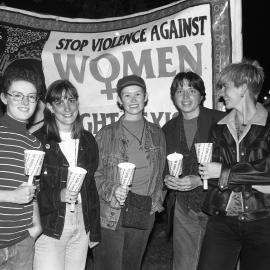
pixel 188 232
pixel 19 256
pixel 67 253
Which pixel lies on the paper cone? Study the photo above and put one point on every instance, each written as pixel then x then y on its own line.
pixel 126 172
pixel 33 160
pixel 175 161
pixel 75 179
pixel 204 152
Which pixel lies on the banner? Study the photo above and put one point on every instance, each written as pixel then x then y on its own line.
pixel 198 35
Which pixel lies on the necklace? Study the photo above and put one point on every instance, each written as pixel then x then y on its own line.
pixel 139 140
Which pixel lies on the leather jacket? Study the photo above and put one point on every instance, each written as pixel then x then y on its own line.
pixel 112 145
pixel 245 166
pixel 54 178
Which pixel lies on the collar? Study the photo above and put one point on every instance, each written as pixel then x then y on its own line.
pixel 13 124
pixel 259 118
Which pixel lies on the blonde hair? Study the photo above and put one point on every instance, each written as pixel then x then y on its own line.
pixel 247 72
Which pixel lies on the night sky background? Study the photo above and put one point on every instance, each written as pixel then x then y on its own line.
pixel 254 20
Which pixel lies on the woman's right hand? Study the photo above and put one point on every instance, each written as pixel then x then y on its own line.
pixel 121 194
pixel 185 183
pixel 68 196
pixel 23 193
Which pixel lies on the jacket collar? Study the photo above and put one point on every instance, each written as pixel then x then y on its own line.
pixel 259 118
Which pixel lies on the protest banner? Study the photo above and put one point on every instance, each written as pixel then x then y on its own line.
pixel 198 35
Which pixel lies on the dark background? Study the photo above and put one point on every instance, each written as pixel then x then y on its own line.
pixel 254 26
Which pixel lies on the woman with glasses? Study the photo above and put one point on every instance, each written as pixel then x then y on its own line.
pixel 66 233
pixel 19 216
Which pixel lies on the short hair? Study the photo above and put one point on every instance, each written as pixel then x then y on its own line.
pixel 247 72
pixel 55 92
pixel 22 71
pixel 193 79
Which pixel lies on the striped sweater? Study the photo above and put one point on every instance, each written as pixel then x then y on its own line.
pixel 15 218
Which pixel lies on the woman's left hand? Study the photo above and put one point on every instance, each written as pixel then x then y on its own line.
pixel 210 170
pixel 35 231
pixel 69 196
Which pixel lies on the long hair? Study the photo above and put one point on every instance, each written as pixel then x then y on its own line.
pixel 56 91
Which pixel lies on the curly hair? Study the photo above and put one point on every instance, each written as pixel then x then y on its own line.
pixel 22 71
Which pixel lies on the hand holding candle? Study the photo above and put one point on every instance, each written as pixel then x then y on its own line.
pixel 126 172
pixel 175 162
pixel 75 179
pixel 33 160
pixel 204 155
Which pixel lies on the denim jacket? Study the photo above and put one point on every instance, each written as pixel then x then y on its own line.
pixel 112 145
pixel 54 178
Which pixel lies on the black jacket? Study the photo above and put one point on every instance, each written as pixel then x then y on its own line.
pixel 252 167
pixel 176 142
pixel 54 178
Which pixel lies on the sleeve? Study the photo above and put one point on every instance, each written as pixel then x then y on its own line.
pixel 106 187
pixel 159 193
pixel 256 172
pixel 166 167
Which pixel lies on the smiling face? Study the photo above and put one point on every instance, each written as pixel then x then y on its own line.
pixel 187 99
pixel 24 109
pixel 232 95
pixel 65 110
pixel 133 98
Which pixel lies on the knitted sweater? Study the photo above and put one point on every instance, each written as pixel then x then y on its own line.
pixel 15 218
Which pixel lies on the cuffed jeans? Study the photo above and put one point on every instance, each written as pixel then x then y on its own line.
pixel 67 253
pixel 19 256
pixel 188 232
pixel 227 238
pixel 122 249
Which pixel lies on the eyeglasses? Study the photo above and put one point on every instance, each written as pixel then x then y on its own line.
pixel 18 96
pixel 189 91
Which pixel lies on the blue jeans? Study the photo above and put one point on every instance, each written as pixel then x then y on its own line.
pixel 70 251
pixel 19 256
pixel 227 239
pixel 123 248
pixel 188 232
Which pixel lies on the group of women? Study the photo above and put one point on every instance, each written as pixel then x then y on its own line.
pixel 67 234
pixel 117 220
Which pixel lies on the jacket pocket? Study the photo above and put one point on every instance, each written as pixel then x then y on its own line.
pixel 51 177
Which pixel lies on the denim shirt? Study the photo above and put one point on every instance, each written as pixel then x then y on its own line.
pixel 112 145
